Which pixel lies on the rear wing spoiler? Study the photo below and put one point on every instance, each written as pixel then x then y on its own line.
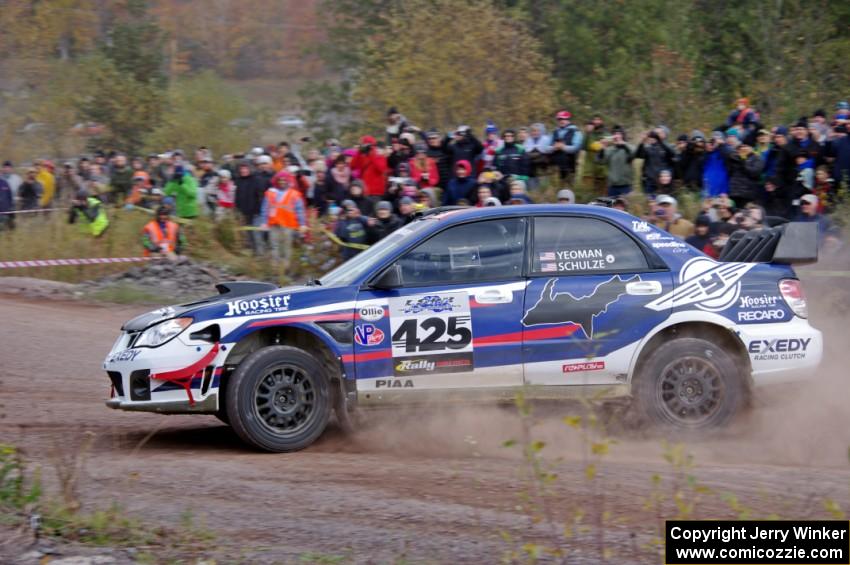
pixel 790 243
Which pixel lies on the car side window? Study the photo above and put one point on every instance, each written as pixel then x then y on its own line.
pixel 473 252
pixel 568 245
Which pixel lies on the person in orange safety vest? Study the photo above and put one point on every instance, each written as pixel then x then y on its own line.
pixel 162 235
pixel 283 213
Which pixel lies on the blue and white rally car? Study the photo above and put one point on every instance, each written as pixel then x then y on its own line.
pixel 476 304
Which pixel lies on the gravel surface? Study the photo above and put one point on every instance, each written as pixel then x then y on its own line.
pixel 432 485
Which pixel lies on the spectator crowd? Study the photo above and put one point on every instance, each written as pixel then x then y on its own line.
pixel 744 173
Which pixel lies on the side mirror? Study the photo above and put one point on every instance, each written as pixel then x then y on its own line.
pixel 389 279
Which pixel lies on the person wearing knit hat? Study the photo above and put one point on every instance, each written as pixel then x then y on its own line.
pixel 593 172
pixel 518 193
pixel 566 196
pixel 352 228
pixel 406 209
pixel 743 115
pixel 842 111
pixel 701 237
pixel 384 222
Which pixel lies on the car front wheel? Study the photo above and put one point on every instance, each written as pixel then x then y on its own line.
pixel 278 399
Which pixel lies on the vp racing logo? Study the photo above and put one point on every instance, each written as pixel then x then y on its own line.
pixel 706 284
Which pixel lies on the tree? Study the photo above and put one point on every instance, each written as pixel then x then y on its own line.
pixel 126 81
pixel 199 109
pixel 135 45
pixel 444 63
pixel 127 107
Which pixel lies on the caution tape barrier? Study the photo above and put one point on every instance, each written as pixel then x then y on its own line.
pixel 330 235
pixel 67 262
pixel 33 211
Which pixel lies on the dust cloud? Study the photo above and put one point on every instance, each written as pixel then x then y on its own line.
pixel 805 424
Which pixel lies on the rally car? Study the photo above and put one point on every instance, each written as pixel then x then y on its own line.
pixel 476 304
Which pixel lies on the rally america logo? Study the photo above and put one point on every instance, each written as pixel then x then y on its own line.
pixel 706 284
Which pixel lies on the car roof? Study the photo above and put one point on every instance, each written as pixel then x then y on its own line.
pixel 463 214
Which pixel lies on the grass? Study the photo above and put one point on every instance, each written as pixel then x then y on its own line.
pixel 23 501
pixel 122 293
pixel 49 236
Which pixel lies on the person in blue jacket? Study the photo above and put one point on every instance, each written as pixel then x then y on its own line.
pixel 715 177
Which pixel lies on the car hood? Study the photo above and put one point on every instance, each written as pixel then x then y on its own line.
pixel 229 292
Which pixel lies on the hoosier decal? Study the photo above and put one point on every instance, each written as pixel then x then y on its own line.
pixel 254 306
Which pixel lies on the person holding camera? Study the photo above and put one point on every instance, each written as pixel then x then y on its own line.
pixel 372 167
pixel 464 146
pixel 657 155
pixel 400 152
pixel 90 210
pixel 744 167
pixel 184 189
pixel 423 169
pixel 691 161
pixel 617 156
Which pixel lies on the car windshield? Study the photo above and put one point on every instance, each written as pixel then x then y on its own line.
pixel 361 263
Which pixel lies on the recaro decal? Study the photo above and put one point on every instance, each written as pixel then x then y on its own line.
pixel 706 284
pixel 563 307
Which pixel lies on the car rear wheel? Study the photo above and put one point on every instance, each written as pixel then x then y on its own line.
pixel 278 399
pixel 689 384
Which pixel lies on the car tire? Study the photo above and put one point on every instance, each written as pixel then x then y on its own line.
pixel 688 384
pixel 223 417
pixel 278 399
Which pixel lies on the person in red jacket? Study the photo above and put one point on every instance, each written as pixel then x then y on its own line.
pixel 372 167
pixel 423 169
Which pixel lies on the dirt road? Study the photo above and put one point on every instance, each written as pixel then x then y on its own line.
pixel 436 486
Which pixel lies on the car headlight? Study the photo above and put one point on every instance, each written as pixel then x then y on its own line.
pixel 163 332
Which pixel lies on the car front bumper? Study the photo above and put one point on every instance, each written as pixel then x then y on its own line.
pixel 177 377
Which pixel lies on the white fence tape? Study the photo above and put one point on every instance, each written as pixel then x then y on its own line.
pixel 65 262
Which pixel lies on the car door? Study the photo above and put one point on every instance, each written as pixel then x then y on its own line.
pixel 455 320
pixel 585 301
